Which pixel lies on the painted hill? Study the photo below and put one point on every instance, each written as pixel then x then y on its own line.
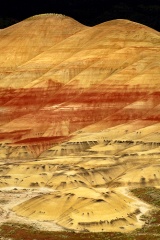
pixel 80 111
pixel 23 41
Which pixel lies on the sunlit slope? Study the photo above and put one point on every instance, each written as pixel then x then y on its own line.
pixel 25 40
pixel 96 42
pixel 84 209
pixel 90 76
pixel 82 117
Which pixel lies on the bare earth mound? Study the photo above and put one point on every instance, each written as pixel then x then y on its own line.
pixel 79 122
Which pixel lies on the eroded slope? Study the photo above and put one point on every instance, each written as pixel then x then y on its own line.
pixel 81 117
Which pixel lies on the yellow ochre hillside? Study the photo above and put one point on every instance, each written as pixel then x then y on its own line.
pixel 79 122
